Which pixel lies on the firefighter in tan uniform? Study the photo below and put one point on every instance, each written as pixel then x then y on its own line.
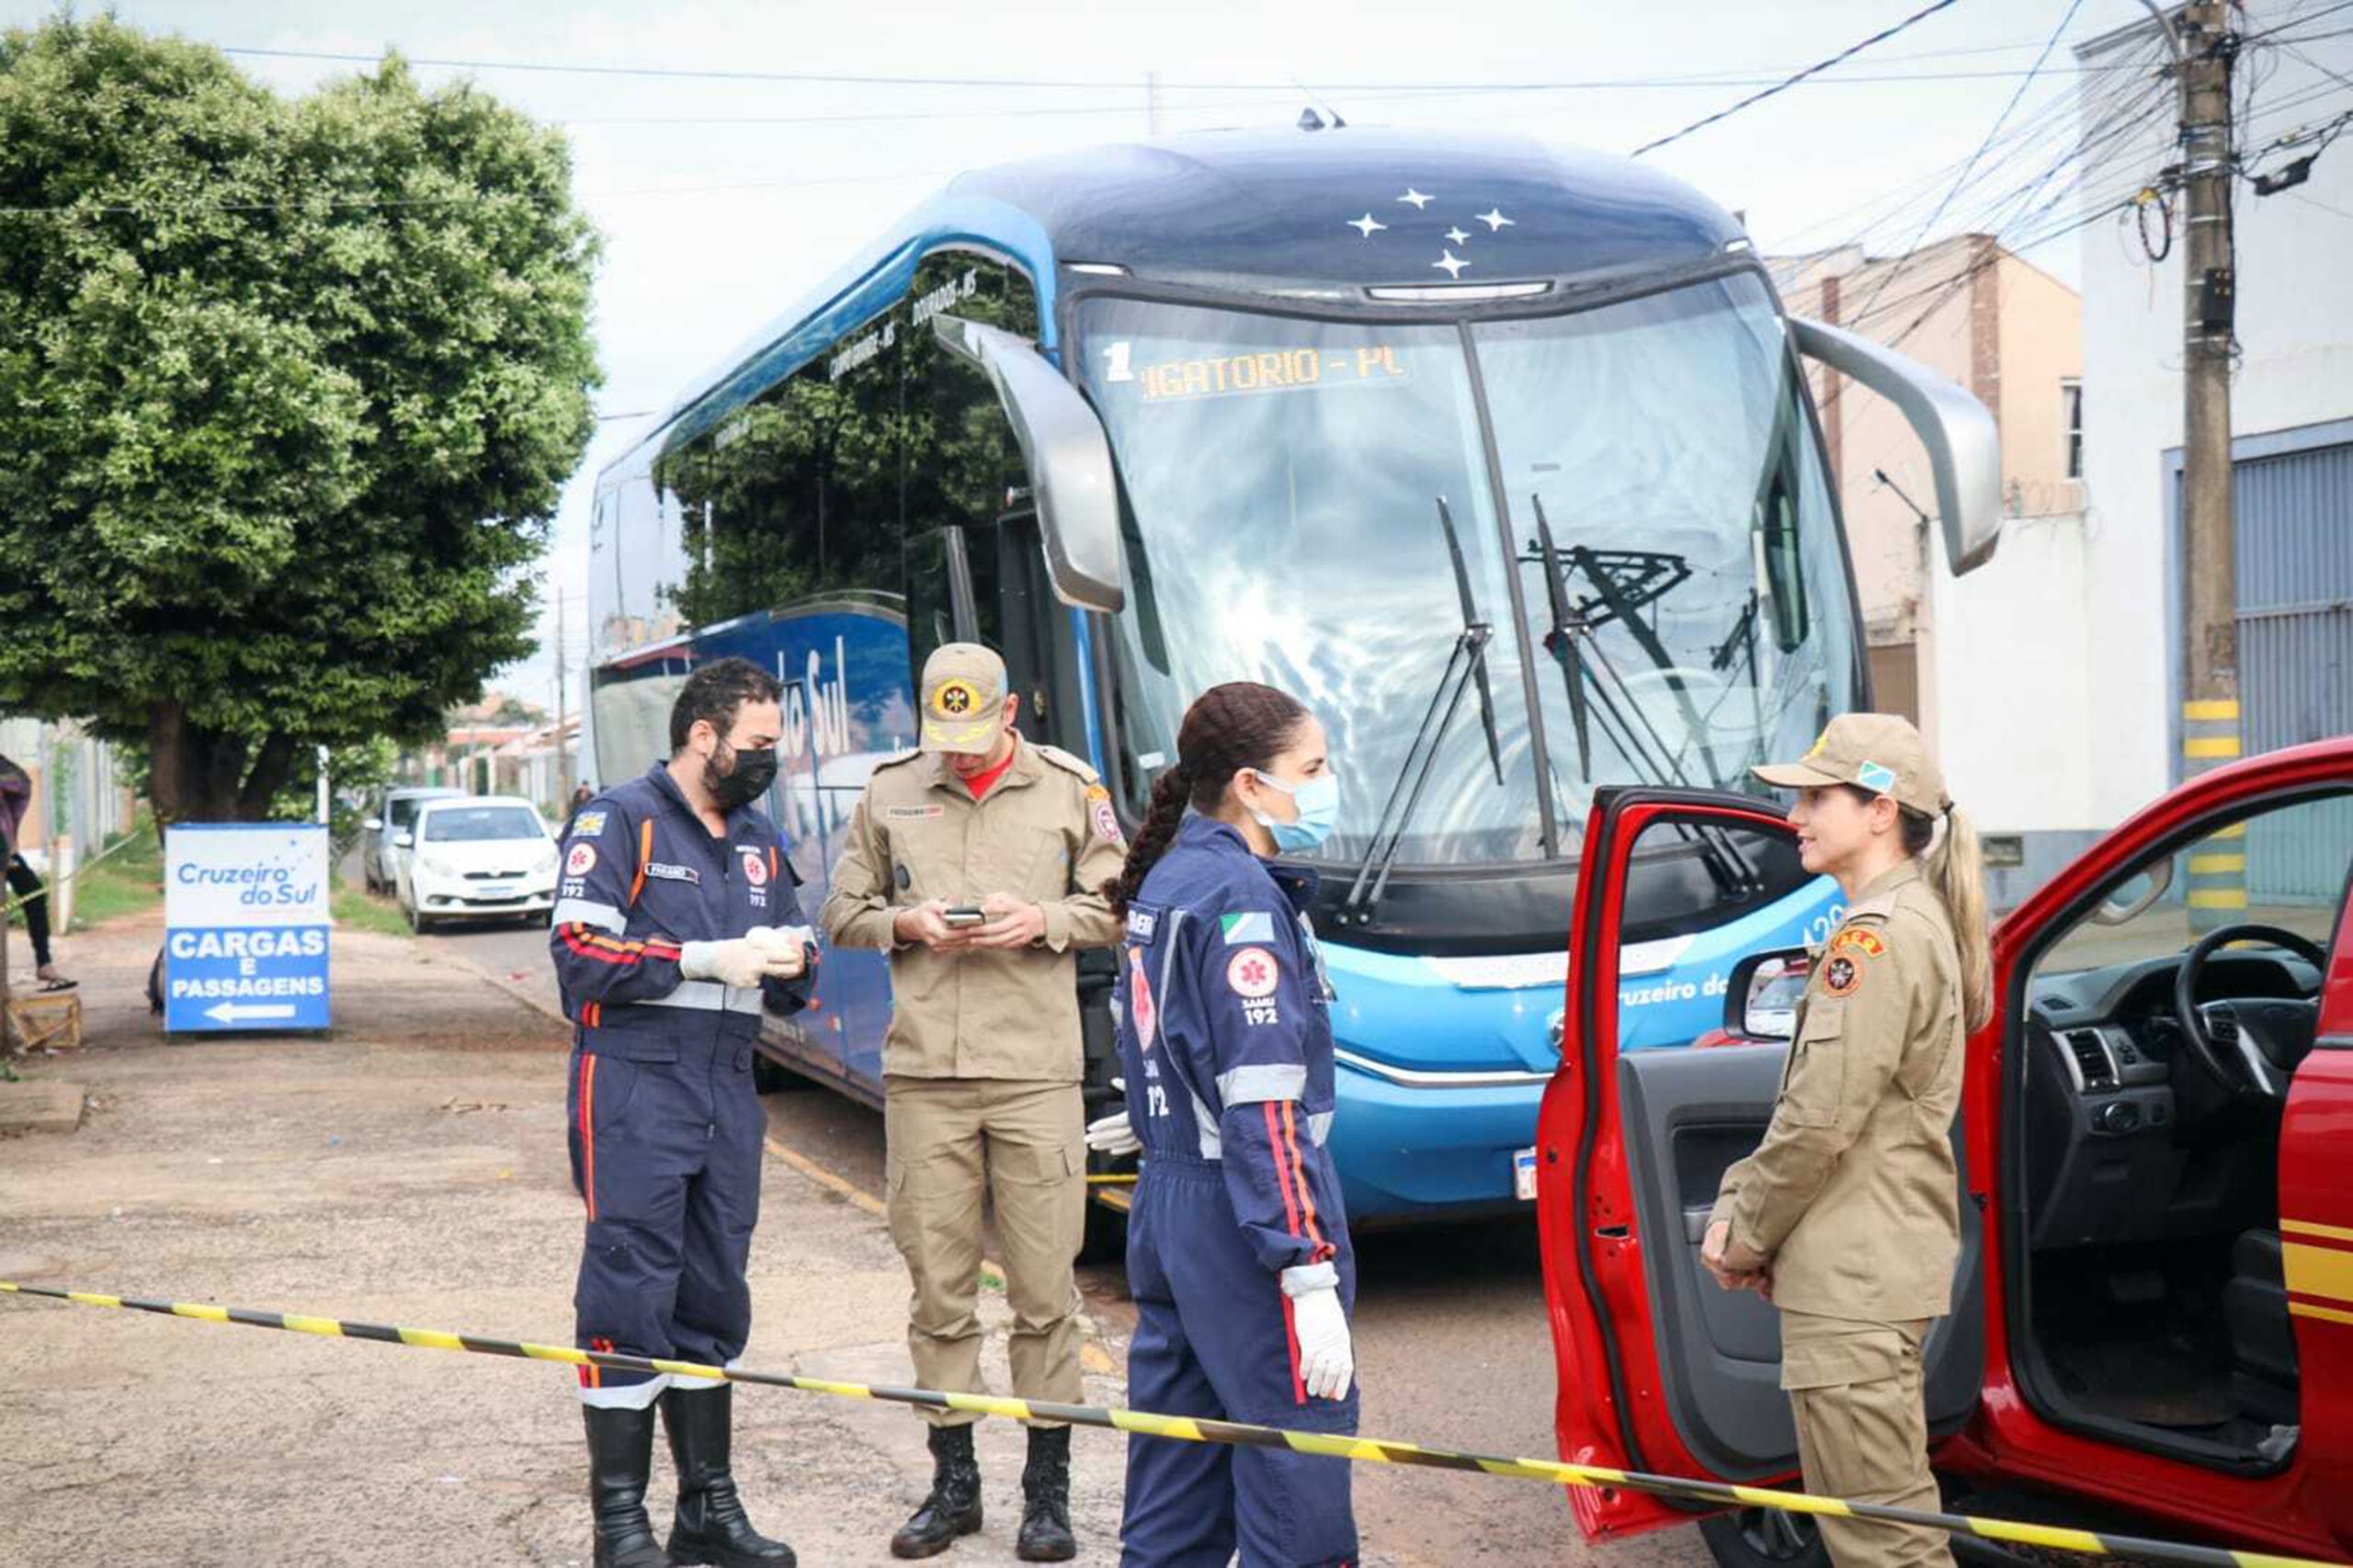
pixel 983 1062
pixel 1847 1215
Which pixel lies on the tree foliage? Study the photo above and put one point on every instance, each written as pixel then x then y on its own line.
pixel 288 391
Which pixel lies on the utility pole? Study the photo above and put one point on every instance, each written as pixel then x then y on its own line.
pixel 2210 667
pixel 562 755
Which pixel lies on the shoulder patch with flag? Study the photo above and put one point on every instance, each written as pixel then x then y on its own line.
pixel 1250 926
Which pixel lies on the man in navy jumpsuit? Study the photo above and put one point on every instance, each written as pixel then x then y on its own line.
pixel 1225 1031
pixel 675 923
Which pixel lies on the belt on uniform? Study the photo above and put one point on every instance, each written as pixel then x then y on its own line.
pixel 707 996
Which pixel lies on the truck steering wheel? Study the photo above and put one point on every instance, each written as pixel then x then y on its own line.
pixel 2244 1068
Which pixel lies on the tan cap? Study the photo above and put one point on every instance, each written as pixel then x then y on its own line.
pixel 963 698
pixel 1881 752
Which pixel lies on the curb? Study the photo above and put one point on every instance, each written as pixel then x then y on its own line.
pixel 519 993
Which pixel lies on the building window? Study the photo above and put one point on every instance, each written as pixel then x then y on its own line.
pixel 2071 402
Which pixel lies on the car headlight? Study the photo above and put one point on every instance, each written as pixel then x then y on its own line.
pixel 431 867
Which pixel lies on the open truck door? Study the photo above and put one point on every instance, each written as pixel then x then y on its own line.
pixel 1660 1370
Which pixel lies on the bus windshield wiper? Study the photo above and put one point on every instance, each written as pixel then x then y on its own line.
pixel 1466 667
pixel 1573 643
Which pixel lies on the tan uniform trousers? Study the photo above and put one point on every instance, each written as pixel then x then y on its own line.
pixel 1023 1143
pixel 1855 1389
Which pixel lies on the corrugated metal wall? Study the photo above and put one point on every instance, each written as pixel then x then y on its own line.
pixel 2295 590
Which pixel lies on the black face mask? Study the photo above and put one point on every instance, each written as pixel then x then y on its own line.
pixel 749 779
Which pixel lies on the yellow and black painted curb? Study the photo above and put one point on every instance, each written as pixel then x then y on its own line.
pixel 1196 1429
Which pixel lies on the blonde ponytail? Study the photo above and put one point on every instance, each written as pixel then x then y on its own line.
pixel 1956 868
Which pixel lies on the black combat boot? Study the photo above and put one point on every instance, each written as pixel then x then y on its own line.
pixel 710 1526
pixel 621 1457
pixel 1045 1499
pixel 954 1507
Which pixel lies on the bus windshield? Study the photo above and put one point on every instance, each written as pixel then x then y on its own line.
pixel 1298 489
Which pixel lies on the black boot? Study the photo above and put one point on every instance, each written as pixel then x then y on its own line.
pixel 954 1507
pixel 621 1457
pixel 710 1526
pixel 1045 1499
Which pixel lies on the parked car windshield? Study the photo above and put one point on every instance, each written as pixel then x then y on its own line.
pixel 458 825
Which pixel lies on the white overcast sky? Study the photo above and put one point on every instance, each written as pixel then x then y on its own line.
pixel 722 201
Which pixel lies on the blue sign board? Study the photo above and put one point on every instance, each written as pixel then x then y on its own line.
pixel 247 924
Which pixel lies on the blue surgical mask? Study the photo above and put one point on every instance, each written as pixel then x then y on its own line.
pixel 1318 800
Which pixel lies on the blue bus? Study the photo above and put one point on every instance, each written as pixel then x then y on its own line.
pixel 1502 459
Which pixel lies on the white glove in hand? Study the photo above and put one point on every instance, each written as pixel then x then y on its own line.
pixel 738 962
pixel 784 947
pixel 1114 1134
pixel 1326 1358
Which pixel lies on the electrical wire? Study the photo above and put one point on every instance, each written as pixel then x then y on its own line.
pixel 2048 132
pixel 1791 81
pixel 2296 21
pixel 855 79
pixel 1929 222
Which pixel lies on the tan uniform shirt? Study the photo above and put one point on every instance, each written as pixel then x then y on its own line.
pixel 1045 833
pixel 1854 1195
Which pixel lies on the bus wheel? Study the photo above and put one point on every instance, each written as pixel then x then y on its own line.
pixel 1107 1227
pixel 1107 1235
pixel 1763 1537
pixel 770 1076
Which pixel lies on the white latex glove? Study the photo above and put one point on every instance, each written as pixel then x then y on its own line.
pixel 785 947
pixel 1327 1361
pixel 738 962
pixel 1113 1134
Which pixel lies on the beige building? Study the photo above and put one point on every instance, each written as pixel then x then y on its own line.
pixel 1998 325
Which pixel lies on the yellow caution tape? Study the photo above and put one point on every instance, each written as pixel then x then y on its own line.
pixel 1202 1429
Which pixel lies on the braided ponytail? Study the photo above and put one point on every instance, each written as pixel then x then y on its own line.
pixel 1161 821
pixel 1228 728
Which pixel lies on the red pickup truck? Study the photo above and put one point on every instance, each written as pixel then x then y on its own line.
pixel 2154 1314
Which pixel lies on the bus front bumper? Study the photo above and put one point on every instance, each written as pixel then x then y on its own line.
pixel 1415 1146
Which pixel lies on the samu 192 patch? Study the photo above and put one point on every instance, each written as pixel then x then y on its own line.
pixel 1854 938
pixel 1840 977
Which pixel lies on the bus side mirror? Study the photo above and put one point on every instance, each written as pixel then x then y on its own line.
pixel 1069 459
pixel 1964 443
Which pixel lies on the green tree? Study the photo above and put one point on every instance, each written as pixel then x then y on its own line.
pixel 288 391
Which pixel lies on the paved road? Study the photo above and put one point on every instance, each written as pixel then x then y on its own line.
pixel 1454 1348
pixel 1452 1339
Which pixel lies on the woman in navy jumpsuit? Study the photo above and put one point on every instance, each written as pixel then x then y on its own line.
pixel 1238 1253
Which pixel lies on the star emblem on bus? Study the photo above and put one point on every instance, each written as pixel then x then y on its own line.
pixel 1451 264
pixel 1458 237
pixel 1416 199
pixel 1366 224
pixel 1496 221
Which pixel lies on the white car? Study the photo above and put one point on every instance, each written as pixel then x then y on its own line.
pixel 477 858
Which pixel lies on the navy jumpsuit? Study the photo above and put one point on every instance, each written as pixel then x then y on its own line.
pixel 665 1126
pixel 1223 1017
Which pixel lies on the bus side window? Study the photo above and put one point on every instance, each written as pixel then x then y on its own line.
pixel 940 598
pixel 964 472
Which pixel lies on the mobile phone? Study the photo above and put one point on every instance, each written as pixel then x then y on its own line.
pixel 963 916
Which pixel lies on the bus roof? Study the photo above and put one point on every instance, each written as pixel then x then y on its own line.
pixel 1291 214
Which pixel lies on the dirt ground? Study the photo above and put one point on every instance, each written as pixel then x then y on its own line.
pixel 407 1168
